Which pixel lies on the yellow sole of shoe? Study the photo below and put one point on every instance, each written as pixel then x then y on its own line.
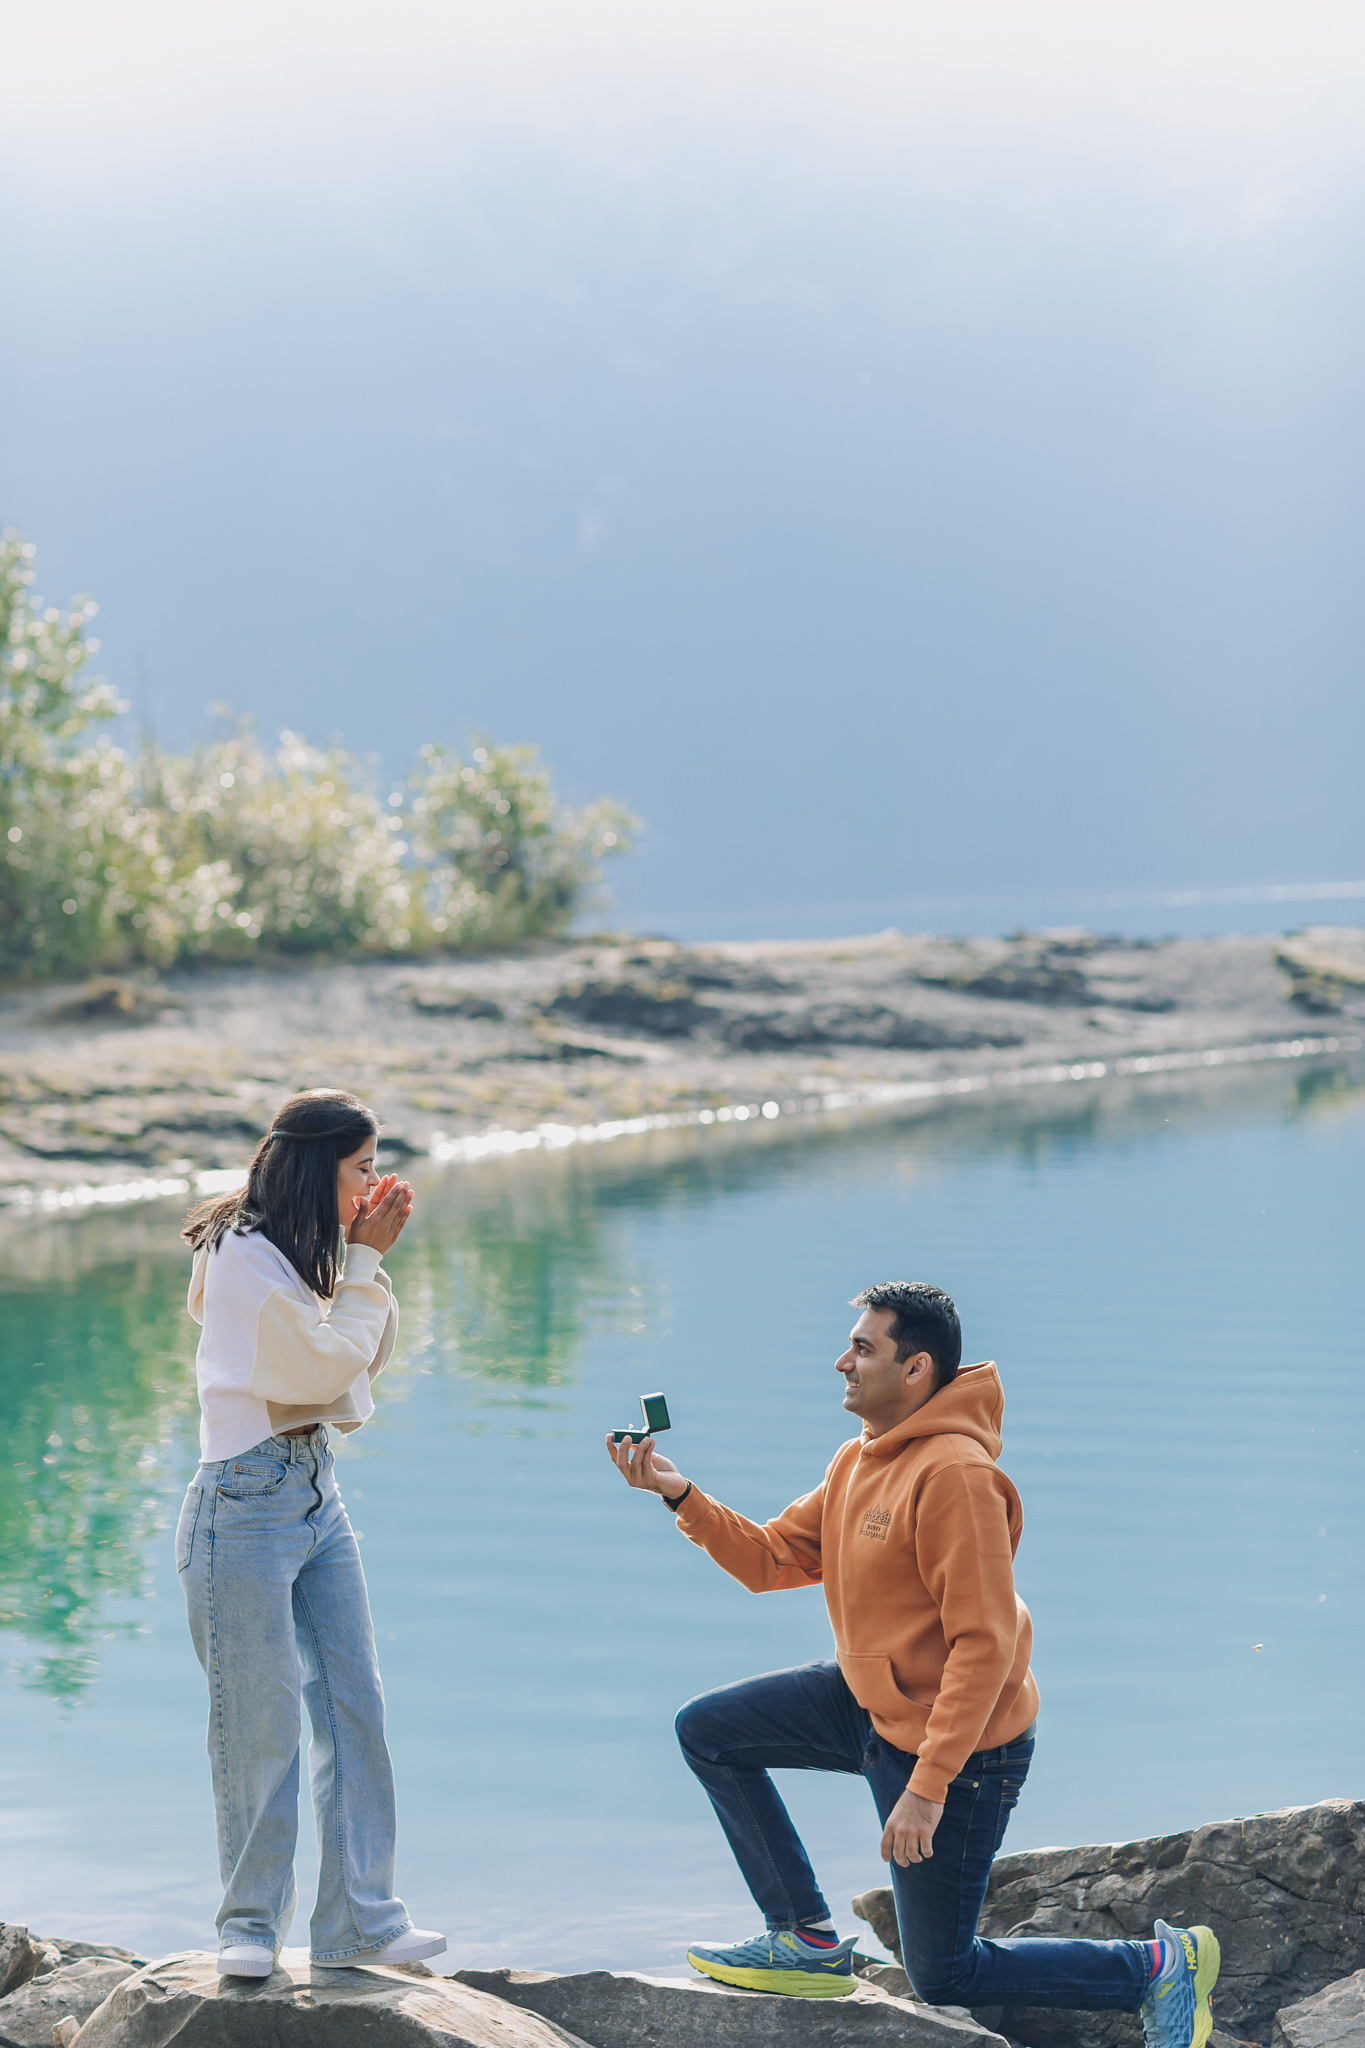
pixel 785 1983
pixel 1210 1959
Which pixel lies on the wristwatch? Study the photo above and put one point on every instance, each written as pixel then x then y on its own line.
pixel 674 1505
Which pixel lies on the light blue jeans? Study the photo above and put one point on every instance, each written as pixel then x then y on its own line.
pixel 279 1612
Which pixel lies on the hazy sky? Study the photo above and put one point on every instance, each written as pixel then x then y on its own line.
pixel 905 451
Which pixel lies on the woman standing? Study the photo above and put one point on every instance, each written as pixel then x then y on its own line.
pixel 277 1602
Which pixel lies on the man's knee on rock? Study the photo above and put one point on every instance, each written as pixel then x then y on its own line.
pixel 939 1984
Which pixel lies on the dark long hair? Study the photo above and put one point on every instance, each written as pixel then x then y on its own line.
pixel 291 1185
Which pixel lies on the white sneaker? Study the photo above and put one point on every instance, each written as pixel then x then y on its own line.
pixel 411 1947
pixel 245 1959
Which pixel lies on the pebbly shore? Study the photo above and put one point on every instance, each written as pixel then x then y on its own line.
pixel 139 1083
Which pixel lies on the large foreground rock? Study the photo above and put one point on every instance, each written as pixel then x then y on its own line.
pixel 183 2001
pixel 28 2015
pixel 615 2009
pixel 1284 1892
pixel 1332 2018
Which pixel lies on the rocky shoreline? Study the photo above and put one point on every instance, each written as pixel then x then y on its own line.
pixel 138 1086
pixel 1285 1893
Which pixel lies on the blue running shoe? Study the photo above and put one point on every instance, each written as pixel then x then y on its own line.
pixel 1176 2012
pixel 779 1960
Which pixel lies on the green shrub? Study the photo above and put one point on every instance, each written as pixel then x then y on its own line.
pixel 111 859
pixel 52 790
pixel 274 851
pixel 502 862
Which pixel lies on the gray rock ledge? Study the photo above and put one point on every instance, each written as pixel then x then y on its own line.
pixel 1332 2018
pixel 181 2002
pixel 619 2009
pixel 73 1990
pixel 1284 1892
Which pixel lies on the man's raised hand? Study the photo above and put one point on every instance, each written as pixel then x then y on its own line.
pixel 643 1467
pixel 909 1832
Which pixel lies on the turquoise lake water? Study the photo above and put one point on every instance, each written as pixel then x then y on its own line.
pixel 1169 1278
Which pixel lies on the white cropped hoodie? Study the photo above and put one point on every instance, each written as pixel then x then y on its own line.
pixel 274 1355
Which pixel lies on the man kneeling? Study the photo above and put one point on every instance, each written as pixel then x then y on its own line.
pixel 912 1532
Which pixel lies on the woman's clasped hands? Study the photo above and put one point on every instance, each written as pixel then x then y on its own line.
pixel 379 1216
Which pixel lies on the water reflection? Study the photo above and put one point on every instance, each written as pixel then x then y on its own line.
pixel 94 1384
pixel 510 1269
pixel 97 1399
pixel 581 1191
pixel 1322 1090
pixel 505 1279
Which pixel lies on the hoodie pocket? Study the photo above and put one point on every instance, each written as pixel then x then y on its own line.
pixel 872 1681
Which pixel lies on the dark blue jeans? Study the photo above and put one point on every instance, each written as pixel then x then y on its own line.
pixel 808 1720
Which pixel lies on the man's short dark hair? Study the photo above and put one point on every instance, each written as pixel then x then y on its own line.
pixel 923 1318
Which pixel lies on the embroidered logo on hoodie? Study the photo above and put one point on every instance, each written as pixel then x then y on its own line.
pixel 876 1522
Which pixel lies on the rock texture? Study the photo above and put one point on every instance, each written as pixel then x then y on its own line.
pixel 181 2000
pixel 110 1000
pixel 73 1990
pixel 1284 1892
pixel 1332 2018
pixel 21 1957
pixel 612 2009
pixel 878 1909
pixel 74 1951
pixel 887 1976
pixel 179 1076
pixel 1326 969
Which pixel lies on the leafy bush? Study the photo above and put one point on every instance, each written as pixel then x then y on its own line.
pixel 109 858
pixel 499 855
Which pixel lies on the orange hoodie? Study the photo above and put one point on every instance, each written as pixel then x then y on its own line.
pixel 913 1534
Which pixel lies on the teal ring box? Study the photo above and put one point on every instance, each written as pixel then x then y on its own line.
pixel 654 1408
